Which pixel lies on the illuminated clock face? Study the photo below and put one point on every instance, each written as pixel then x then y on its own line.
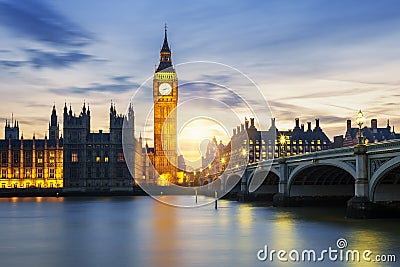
pixel 165 88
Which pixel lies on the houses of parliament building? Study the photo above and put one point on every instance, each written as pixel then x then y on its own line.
pixel 78 160
pixel 81 160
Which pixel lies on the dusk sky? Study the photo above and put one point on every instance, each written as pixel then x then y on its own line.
pixel 311 59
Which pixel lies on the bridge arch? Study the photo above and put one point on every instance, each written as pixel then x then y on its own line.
pixel 339 164
pixel 385 182
pixel 326 178
pixel 216 185
pixel 274 171
pixel 260 174
pixel 269 185
pixel 233 184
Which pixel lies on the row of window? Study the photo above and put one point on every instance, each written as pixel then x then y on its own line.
pixel 100 172
pixel 290 148
pixel 294 142
pixel 98 159
pixel 98 184
pixel 255 155
pixel 16 156
pixel 15 173
pixel 29 185
pixel 98 146
pixel 104 173
pixel 293 149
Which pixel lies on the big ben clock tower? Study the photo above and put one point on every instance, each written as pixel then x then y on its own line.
pixel 165 97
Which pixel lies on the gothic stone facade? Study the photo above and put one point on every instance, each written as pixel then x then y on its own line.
pixel 96 161
pixel 31 163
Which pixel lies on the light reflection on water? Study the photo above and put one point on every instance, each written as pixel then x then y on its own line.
pixel 139 231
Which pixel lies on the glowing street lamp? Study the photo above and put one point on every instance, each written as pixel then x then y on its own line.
pixel 244 155
pixel 282 141
pixel 223 163
pixel 360 120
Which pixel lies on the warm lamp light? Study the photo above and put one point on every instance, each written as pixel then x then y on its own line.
pixel 282 140
pixel 360 120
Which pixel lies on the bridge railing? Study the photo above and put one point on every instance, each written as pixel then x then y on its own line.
pixel 384 146
pixel 372 148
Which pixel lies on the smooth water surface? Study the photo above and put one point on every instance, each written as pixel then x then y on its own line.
pixel 139 231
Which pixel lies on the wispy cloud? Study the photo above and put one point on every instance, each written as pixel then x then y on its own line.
pixel 42 59
pixel 347 48
pixel 39 59
pixel 342 107
pixel 119 84
pixel 373 83
pixel 318 95
pixel 96 87
pixel 12 63
pixel 34 121
pixel 30 104
pixel 36 23
pixel 210 91
pixel 122 79
pixel 39 22
pixel 288 112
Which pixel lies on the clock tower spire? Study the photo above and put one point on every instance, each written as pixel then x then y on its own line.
pixel 165 54
pixel 165 98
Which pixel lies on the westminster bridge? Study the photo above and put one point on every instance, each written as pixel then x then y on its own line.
pixel 368 176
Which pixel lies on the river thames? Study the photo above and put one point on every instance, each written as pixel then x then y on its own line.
pixel 139 231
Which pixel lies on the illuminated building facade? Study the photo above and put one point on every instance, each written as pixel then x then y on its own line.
pixel 301 140
pixel 165 97
pixel 31 163
pixel 249 145
pixel 96 161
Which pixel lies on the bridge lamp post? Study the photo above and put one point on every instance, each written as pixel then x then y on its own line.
pixel 282 141
pixel 223 163
pixel 360 120
pixel 194 178
pixel 244 155
pixel 200 177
